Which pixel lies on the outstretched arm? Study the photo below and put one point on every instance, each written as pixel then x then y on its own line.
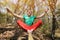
pixel 40 15
pixel 14 13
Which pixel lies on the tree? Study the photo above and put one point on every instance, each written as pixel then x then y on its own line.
pixel 52 5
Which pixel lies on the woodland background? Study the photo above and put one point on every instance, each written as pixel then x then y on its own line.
pixel 50 30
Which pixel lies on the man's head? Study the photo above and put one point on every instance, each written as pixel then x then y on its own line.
pixel 29 12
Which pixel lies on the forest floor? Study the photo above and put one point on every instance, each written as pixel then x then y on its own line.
pixel 11 32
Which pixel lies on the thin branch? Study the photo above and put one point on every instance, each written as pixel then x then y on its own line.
pixel 17 6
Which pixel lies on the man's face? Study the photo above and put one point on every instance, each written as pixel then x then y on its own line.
pixel 29 12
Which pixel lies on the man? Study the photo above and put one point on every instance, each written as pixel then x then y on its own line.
pixel 28 20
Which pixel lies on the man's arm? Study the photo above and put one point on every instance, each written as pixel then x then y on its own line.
pixel 14 14
pixel 40 15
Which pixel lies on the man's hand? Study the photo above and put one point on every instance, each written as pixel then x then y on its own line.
pixel 9 10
